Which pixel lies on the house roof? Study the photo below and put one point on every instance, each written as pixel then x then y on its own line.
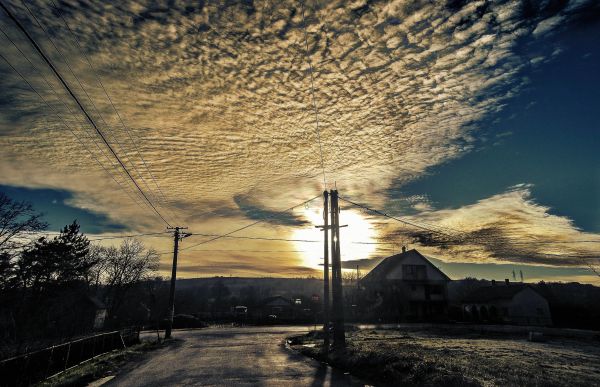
pixel 276 300
pixel 380 271
pixel 495 293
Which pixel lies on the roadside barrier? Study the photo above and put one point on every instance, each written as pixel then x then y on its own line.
pixel 36 366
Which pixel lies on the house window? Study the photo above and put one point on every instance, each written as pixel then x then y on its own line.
pixel 413 288
pixel 436 289
pixel 540 311
pixel 505 311
pixel 414 272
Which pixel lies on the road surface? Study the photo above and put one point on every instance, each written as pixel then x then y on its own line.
pixel 253 356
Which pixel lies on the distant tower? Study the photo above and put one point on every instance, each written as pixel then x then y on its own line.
pixel 514 275
pixel 521 273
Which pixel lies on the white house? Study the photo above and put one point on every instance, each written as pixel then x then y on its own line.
pixel 507 303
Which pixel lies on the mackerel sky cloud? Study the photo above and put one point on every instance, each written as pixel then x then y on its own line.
pixel 218 100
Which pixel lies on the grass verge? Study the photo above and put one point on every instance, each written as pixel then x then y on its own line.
pixel 102 366
pixel 387 357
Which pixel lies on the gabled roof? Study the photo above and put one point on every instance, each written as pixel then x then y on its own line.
pixel 276 299
pixel 496 293
pixel 380 271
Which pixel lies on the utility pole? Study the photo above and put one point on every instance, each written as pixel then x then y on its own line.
pixel 339 336
pixel 325 227
pixel 326 270
pixel 171 311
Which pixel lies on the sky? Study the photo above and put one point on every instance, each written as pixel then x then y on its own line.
pixel 473 123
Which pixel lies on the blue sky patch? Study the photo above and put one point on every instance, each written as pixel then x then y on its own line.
pixel 547 136
pixel 52 203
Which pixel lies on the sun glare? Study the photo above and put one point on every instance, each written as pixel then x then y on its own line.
pixel 358 230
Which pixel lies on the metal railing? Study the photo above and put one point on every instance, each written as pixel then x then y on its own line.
pixel 39 365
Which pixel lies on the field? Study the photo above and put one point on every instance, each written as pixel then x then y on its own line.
pixel 436 357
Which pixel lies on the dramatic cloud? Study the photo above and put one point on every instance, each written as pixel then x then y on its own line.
pixel 508 227
pixel 218 100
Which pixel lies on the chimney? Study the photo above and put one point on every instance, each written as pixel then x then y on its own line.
pixel 506 281
pixel 493 282
pixel 404 249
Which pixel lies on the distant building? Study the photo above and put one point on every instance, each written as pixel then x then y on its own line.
pixel 276 307
pixel 507 303
pixel 93 310
pixel 407 287
pixel 239 311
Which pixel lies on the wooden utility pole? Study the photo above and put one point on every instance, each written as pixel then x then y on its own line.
pixel 326 270
pixel 325 227
pixel 339 335
pixel 171 311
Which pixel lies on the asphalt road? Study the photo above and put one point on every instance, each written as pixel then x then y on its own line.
pixel 253 356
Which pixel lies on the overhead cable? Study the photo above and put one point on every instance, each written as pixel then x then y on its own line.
pixel 251 224
pixel 81 107
pixel 314 100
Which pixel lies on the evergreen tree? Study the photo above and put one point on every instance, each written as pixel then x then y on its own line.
pixel 56 261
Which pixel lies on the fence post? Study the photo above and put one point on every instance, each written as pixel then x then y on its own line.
pixel 67 357
pixel 27 358
pixel 49 362
pixel 82 350
pixel 122 341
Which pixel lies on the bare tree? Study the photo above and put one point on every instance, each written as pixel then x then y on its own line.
pixel 94 276
pixel 350 277
pixel 119 269
pixel 17 219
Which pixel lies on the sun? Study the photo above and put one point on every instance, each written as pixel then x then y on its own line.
pixel 358 230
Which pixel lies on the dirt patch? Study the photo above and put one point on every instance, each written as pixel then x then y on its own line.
pixel 392 357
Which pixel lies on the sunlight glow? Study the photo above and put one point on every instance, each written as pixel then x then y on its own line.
pixel 359 230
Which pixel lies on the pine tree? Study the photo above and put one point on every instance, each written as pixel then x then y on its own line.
pixel 56 261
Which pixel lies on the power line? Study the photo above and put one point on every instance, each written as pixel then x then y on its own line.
pixel 393 217
pixel 524 243
pixel 81 107
pixel 111 162
pixel 128 236
pixel 115 138
pixel 251 224
pixel 241 251
pixel 314 101
pixel 127 130
pixel 257 238
pixel 66 124
pixel 476 240
pixel 247 197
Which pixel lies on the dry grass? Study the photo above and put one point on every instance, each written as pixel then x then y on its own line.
pixel 101 366
pixel 434 358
